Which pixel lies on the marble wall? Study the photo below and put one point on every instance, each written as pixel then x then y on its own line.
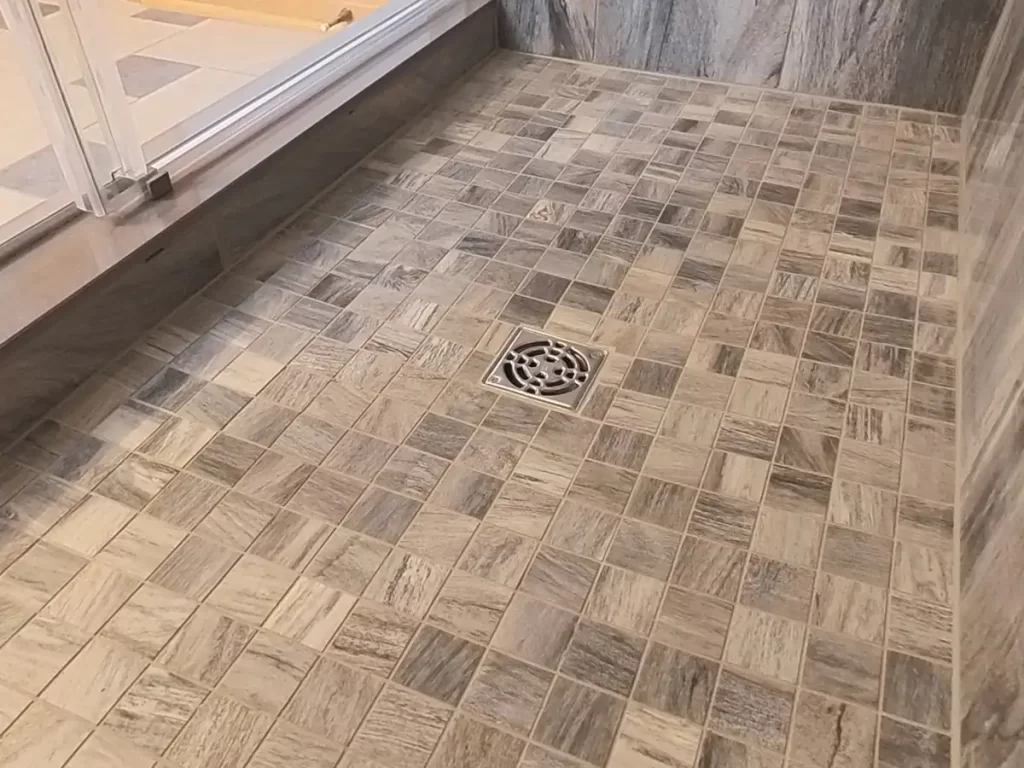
pixel 991 442
pixel 41 367
pixel 917 53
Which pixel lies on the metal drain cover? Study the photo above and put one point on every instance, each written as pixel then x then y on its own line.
pixel 545 368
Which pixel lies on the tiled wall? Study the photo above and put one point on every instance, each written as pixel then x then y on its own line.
pixel 43 366
pixel 992 407
pixel 917 53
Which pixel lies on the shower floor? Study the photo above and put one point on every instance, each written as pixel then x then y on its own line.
pixel 290 528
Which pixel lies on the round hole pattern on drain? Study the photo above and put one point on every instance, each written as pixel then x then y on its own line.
pixel 546 368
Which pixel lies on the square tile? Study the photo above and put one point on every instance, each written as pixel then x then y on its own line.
pixel 676 682
pixel 185 500
pixel 310 613
pixel 546 471
pixel 438 535
pixel 693 622
pixel 566 434
pixel 498 555
pixel 648 737
pixel 843 667
pixel 620 447
pixel 723 519
pixel 818 721
pixel 733 474
pixel 251 589
pixel 918 690
pixel 403 728
pixel 222 732
pixel 535 631
pixel 901 744
pixel 267 673
pixel 439 664
pixel 604 656
pixel 466 491
pixel 148 620
pixel 141 717
pixel 709 567
pixel 286 745
pixel 778 588
pixel 440 436
pixel 373 637
pixel 765 644
pixel 274 477
pixel 752 710
pixel 625 599
pixel 470 606
pixel 382 514
pixel 857 555
pixel 507 692
pixel 205 646
pixel 645 549
pixel 91 597
pixel 849 607
pixel 93 682
pixel 333 700
pixel 406 583
pixel 467 744
pixel 579 721
pixel 581 530
pixel 560 578
pixel 523 510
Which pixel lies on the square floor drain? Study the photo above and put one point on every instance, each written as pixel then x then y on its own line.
pixel 545 368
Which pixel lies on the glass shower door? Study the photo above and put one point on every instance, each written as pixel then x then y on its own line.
pixel 76 86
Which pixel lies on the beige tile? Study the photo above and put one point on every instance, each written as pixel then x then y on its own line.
pixel 34 656
pixel 407 583
pixel 923 572
pixel 136 481
pixel 93 682
pixel 765 644
pixel 221 734
pixel 39 575
pixel 141 546
pixel 402 729
pixel 205 646
pixel 310 613
pixel 625 599
pixel 333 700
pixel 545 471
pixel 248 373
pixel 268 672
pixel 142 717
pixel 251 589
pixel 92 597
pixel 194 568
pixel 105 750
pixel 43 737
pixel 41 504
pixel 498 554
pixel 439 535
pixel 92 524
pixel 289 747
pixel 148 620
pixel 177 441
pixel 649 738
pixel 12 704
pixel 788 536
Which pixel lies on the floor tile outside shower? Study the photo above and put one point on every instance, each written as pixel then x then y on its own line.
pixel 172 66
pixel 291 528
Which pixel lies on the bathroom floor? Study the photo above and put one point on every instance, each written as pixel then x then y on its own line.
pixel 290 527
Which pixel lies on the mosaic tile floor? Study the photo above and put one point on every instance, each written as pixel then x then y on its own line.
pixel 290 527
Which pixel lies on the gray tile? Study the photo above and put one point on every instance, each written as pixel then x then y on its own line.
pixel 579 721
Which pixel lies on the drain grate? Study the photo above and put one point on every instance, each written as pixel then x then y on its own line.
pixel 545 368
